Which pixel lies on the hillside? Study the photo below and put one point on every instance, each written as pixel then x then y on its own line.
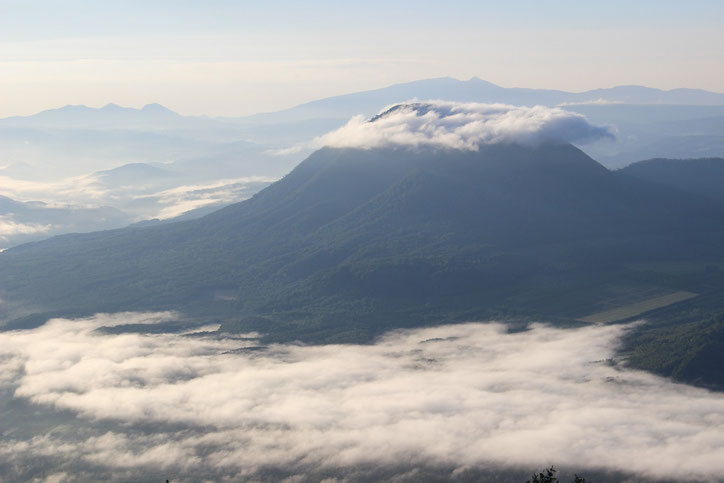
pixel 701 176
pixel 22 222
pixel 354 241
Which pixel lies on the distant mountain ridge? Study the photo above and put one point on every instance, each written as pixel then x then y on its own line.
pixel 371 101
pixel 651 122
pixel 478 90
pixel 111 116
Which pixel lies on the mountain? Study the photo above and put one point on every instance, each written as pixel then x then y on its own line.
pixel 134 173
pixel 697 176
pixel 370 102
pixel 650 122
pixel 354 241
pixel 111 116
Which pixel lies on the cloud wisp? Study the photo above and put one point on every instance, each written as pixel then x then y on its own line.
pixel 590 102
pixel 465 126
pixel 459 396
pixel 175 201
pixel 9 227
pixel 78 191
pixel 140 201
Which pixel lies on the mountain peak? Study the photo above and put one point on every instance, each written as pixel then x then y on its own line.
pixel 155 107
pixel 481 82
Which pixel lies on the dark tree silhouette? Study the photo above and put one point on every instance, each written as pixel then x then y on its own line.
pixel 550 477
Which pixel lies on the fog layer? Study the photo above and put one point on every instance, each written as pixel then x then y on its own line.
pixel 460 396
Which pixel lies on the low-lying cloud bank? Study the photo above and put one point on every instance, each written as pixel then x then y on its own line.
pixel 466 126
pixel 459 396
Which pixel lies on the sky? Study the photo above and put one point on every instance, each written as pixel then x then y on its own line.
pixel 231 58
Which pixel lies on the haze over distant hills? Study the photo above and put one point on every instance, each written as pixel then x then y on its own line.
pixel 149 117
pixel 651 123
pixel 144 163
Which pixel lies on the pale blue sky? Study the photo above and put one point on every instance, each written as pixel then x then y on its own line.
pixel 234 57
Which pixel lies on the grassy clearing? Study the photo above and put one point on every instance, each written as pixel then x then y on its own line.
pixel 638 308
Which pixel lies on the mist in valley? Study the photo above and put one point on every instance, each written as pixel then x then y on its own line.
pixel 77 399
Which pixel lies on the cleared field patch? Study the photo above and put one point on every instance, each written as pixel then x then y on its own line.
pixel 638 308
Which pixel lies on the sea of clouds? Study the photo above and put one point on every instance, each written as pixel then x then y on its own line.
pixel 455 125
pixel 79 401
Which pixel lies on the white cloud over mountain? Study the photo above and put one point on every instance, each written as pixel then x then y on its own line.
pixel 459 396
pixel 445 124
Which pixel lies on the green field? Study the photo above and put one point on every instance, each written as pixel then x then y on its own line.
pixel 638 308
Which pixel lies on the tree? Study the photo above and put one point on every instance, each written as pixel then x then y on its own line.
pixel 550 477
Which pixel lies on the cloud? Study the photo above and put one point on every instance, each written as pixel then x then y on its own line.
pixel 180 199
pixel 458 396
pixel 9 227
pixel 142 201
pixel 78 191
pixel 465 126
pixel 592 102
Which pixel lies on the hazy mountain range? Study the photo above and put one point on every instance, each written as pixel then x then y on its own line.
pixel 650 122
pixel 154 163
pixel 151 117
pixel 478 90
